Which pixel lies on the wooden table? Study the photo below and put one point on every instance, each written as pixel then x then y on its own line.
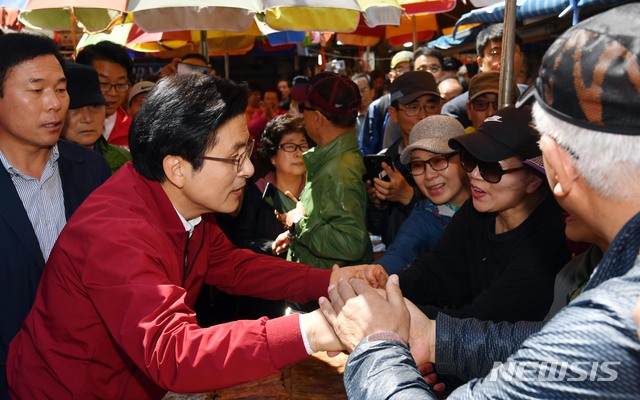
pixel 317 378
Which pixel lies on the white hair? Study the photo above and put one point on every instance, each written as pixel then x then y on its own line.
pixel 609 163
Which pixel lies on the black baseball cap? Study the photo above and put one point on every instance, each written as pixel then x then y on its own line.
pixel 413 84
pixel 589 76
pixel 507 133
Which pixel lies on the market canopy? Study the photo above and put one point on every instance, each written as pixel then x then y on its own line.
pixel 529 9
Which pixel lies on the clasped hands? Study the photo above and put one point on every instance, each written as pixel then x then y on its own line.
pixel 357 306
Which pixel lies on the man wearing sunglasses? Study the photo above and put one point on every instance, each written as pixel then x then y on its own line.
pixel 114 314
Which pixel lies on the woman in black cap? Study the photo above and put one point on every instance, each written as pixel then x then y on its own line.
pixel 498 258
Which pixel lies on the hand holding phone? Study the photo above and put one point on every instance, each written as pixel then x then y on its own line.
pixel 373 166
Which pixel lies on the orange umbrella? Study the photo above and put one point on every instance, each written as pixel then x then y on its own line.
pixel 424 26
pixel 418 24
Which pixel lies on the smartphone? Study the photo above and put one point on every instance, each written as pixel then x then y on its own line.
pixel 276 199
pixel 186 69
pixel 373 165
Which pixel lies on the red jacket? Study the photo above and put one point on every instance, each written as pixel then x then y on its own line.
pixel 113 315
pixel 120 133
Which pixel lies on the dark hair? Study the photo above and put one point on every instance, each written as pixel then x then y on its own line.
pixel 181 116
pixel 272 89
pixel 363 75
pixel 451 64
pixel 273 133
pixel 255 86
pixel 285 79
pixel 18 48
pixel 107 51
pixel 492 32
pixel 429 52
pixel 197 56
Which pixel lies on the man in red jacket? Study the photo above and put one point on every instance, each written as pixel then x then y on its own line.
pixel 113 315
pixel 115 68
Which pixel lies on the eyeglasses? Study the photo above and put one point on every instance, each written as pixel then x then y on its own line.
pixel 238 160
pixel 413 109
pixel 494 53
pixel 433 68
pixel 292 147
pixel 483 105
pixel 489 171
pixel 302 107
pixel 437 163
pixel 120 87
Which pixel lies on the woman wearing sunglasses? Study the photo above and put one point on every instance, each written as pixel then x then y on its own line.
pixel 438 174
pixel 499 255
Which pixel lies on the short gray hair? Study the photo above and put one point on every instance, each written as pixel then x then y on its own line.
pixel 608 162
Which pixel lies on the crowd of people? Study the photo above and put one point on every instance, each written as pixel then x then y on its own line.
pixel 149 249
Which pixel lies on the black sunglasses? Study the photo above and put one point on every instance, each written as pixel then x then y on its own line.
pixel 489 171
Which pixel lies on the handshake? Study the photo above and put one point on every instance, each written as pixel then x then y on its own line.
pixel 363 300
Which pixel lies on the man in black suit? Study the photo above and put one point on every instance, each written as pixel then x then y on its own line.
pixel 42 180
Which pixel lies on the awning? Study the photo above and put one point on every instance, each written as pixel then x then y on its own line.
pixel 529 9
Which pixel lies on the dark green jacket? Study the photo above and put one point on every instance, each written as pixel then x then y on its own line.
pixel 116 156
pixel 334 197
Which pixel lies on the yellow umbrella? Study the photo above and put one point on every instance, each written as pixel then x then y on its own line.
pixel 238 15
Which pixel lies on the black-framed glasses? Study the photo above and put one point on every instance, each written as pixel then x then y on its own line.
pixel 433 68
pixel 120 87
pixel 292 147
pixel 483 105
pixel 237 160
pixel 437 163
pixel 413 109
pixel 489 171
pixel 302 107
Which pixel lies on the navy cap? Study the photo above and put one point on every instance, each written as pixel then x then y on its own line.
pixel 507 133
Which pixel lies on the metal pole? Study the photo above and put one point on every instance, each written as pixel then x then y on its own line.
pixel 226 65
pixel 204 45
pixel 508 52
pixel 414 37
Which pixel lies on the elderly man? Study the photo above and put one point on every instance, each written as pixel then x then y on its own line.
pixel 42 179
pixel 328 226
pixel 590 348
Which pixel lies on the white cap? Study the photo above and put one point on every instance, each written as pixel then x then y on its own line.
pixel 139 88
